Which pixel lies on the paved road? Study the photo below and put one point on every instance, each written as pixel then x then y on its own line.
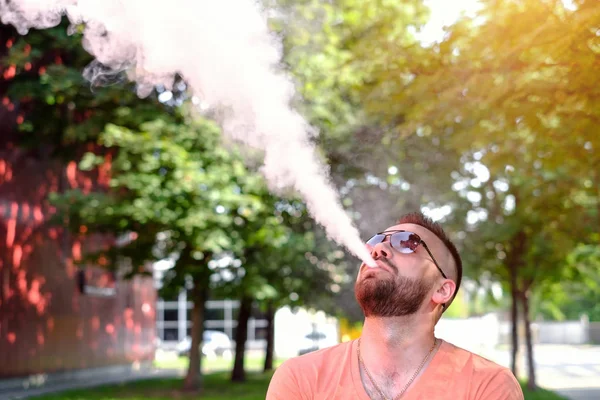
pixel 22 393
pixel 581 394
pixel 573 371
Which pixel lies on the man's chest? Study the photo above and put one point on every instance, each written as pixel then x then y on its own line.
pixel 420 390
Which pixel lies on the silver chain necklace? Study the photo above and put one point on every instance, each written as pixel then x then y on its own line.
pixel 362 364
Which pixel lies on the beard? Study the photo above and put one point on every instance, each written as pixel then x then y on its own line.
pixel 391 297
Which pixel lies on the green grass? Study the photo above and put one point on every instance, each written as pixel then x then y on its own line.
pixel 540 394
pixel 216 387
pixel 214 365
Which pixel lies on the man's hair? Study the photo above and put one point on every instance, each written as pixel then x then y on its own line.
pixel 417 218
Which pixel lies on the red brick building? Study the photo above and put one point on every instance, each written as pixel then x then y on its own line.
pixel 54 315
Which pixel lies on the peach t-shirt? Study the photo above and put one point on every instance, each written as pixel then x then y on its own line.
pixel 452 374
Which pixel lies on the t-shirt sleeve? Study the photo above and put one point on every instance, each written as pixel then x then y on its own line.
pixel 502 386
pixel 284 384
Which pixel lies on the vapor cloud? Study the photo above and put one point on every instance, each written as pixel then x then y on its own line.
pixel 224 51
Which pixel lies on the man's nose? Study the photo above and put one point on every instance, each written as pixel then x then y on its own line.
pixel 381 250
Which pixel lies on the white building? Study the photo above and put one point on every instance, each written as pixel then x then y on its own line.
pixel 295 331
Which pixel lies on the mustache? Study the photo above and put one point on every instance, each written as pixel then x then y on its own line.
pixel 389 263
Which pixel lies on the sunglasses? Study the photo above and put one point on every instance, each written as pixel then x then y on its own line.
pixel 405 242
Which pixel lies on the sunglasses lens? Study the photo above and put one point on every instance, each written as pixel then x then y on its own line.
pixel 375 239
pixel 405 242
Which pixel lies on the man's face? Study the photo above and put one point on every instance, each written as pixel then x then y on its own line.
pixel 401 283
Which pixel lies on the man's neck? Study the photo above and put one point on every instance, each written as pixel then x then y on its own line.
pixel 395 345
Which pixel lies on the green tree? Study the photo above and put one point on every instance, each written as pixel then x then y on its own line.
pixel 185 197
pixel 180 195
pixel 56 111
pixel 492 86
pixel 274 269
pixel 578 292
pixel 174 190
pixel 332 50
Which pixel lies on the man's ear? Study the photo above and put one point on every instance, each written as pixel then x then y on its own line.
pixel 444 293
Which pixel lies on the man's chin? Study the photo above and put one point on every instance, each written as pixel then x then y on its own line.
pixel 372 287
pixel 381 296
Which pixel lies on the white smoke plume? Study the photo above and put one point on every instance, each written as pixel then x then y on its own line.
pixel 224 51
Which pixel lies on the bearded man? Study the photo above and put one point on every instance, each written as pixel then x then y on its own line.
pixel 417 276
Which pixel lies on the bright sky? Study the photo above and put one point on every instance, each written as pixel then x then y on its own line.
pixel 444 13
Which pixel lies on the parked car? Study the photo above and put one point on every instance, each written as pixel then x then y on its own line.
pixel 214 344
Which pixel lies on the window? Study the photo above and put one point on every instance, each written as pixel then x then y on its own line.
pixel 189 330
pixel 261 333
pixel 170 334
pixel 171 315
pixel 215 314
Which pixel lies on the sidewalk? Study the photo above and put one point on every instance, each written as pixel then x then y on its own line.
pixel 570 370
pixel 23 388
pixel 581 394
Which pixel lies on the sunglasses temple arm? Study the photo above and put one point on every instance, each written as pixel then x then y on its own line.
pixel 436 264
pixel 434 260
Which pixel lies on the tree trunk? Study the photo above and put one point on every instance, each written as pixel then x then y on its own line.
pixel 531 382
pixel 514 317
pixel 241 336
pixel 513 261
pixel 193 378
pixel 270 337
